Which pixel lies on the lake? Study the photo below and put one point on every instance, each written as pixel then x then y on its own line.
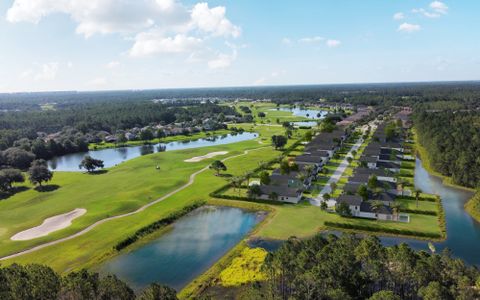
pixel 193 245
pixel 306 113
pixel 115 156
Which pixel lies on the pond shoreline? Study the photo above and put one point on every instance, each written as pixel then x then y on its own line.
pixel 183 248
pixel 115 156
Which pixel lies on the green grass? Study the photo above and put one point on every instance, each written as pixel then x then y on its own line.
pixel 122 189
pixel 306 220
pixel 91 248
pixel 473 206
pixel 422 205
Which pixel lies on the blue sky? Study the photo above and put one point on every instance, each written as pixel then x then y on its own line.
pixel 136 44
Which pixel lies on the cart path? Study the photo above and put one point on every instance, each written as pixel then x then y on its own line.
pixel 142 208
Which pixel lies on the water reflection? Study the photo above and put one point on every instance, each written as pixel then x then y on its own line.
pixel 195 243
pixel 115 156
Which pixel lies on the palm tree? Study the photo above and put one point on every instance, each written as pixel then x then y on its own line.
pixel 417 195
pixel 396 207
pixel 376 205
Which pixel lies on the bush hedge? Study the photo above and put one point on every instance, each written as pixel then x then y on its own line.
pixel 382 230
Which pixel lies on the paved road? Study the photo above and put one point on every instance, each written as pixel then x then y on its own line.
pixel 337 175
pixel 89 228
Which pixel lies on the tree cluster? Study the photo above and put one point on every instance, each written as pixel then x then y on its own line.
pixel 34 281
pixel 452 140
pixel 348 267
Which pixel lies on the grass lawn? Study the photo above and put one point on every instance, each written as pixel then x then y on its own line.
pixel 87 250
pixel 122 189
pixel 422 205
pixel 305 220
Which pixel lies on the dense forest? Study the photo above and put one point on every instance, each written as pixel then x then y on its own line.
pixel 466 93
pixel 34 281
pixel 348 267
pixel 452 139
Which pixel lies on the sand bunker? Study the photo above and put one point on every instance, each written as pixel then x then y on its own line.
pixel 49 225
pixel 209 155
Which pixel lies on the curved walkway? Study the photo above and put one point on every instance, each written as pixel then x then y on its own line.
pixel 142 208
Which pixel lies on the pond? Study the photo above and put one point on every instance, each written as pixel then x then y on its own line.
pixel 114 156
pixel 305 124
pixel 194 244
pixel 306 113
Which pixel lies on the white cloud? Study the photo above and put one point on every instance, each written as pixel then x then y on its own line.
pixel 399 16
pixel 97 16
pixel 407 27
pixel 213 20
pixel 154 43
pixel 436 10
pixel 223 60
pixel 314 39
pixel 158 26
pixel 113 64
pixel 439 7
pixel 333 43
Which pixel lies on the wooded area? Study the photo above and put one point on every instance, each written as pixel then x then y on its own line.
pixel 452 140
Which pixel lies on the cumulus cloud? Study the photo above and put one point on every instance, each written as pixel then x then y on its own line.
pixel 333 43
pixel 439 7
pixel 399 16
pixel 97 16
pixel 213 20
pixel 152 43
pixel 157 26
pixel 407 27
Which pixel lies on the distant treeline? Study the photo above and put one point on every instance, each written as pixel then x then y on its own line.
pixel 348 267
pixel 34 281
pixel 25 131
pixel 452 140
pixel 466 93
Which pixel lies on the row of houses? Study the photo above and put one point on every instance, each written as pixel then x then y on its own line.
pixel 380 164
pixel 159 130
pixel 289 186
